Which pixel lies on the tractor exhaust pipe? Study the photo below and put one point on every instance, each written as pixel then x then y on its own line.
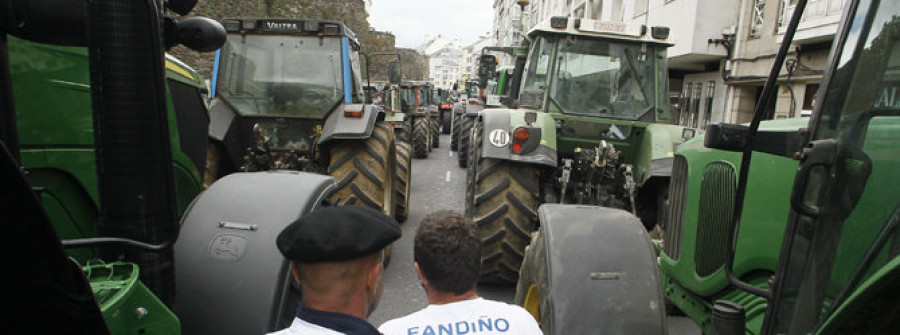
pixel 134 157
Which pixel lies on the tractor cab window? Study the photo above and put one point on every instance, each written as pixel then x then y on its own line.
pixel 597 78
pixel 536 74
pixel 358 92
pixel 284 76
pixel 856 231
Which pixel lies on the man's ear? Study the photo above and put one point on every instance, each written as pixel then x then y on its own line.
pixel 374 274
pixel 419 272
pixel 295 272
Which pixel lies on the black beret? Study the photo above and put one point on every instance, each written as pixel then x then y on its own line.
pixel 334 234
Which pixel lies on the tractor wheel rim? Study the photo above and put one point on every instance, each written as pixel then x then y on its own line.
pixel 532 302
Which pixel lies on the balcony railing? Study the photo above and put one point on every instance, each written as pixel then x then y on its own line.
pixel 817 13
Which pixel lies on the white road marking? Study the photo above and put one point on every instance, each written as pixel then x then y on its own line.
pixel 447 178
pixel 451 154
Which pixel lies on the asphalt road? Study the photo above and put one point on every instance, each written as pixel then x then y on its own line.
pixel 439 183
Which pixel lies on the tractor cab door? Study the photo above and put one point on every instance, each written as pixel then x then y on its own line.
pixel 839 269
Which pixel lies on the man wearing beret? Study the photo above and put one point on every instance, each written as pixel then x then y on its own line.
pixel 447 253
pixel 337 256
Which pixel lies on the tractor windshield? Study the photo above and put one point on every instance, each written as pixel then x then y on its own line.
pixel 284 76
pixel 593 77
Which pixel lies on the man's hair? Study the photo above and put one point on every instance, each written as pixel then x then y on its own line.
pixel 448 250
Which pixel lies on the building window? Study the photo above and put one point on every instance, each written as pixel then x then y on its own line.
pixel 809 98
pixel 640 7
pixel 710 93
pixel 685 105
pixel 758 19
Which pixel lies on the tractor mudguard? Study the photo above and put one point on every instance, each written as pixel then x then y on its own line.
pixel 459 108
pixel 595 269
pixel 657 147
pixel 230 276
pixel 220 119
pixel 474 107
pixel 498 125
pixel 340 126
pixel 394 117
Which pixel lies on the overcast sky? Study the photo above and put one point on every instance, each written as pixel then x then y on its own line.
pixel 411 20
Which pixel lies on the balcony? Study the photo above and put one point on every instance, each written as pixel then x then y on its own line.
pixel 819 21
pixel 693 24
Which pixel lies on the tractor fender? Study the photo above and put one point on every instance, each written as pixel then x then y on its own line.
pixel 498 125
pixel 474 106
pixel 230 276
pixel 458 108
pixel 597 270
pixel 224 131
pixel 657 151
pixel 339 126
pixel 220 118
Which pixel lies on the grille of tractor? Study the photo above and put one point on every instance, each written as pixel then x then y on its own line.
pixel 677 191
pixel 716 206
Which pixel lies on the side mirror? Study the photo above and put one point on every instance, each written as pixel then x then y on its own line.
pixel 197 33
pixel 724 136
pixel 394 73
pixel 733 137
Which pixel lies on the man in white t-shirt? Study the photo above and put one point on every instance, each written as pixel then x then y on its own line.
pixel 447 253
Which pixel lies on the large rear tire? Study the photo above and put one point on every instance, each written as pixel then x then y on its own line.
pixel 465 131
pixel 435 131
pixel 505 209
pixel 454 132
pixel 402 132
pixel 445 122
pixel 420 138
pixel 474 153
pixel 404 171
pixel 364 170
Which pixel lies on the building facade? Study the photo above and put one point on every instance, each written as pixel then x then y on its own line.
pixel 444 60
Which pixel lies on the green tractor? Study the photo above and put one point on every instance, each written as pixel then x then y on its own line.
pixel 706 259
pixel 782 227
pixel 230 277
pixel 493 88
pixel 111 135
pixel 288 94
pixel 591 127
pixel 461 123
pixel 387 96
pixel 422 114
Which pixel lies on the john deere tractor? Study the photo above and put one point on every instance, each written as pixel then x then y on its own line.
pixel 288 95
pixel 591 127
pixel 220 252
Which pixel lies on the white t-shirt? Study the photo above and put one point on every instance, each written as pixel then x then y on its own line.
pixel 468 317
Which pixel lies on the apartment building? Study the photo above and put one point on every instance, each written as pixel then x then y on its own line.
pixel 444 60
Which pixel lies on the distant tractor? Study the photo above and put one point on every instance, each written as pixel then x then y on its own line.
pixel 422 114
pixel 591 127
pixel 288 94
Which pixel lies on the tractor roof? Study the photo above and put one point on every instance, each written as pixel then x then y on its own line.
pixel 281 26
pixel 602 29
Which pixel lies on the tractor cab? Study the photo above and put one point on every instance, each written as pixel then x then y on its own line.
pixel 597 69
pixel 288 68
